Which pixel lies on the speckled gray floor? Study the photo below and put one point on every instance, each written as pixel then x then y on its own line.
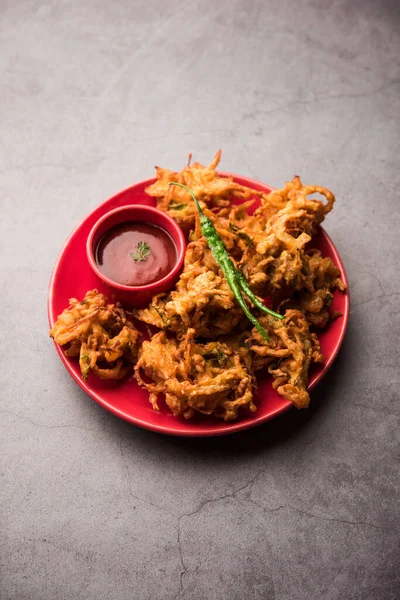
pixel 93 94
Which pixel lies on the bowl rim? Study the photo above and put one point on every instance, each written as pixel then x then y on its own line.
pixel 176 234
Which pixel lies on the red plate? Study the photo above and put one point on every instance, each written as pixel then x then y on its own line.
pixel 72 277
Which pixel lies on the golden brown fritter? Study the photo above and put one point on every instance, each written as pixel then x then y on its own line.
pixel 100 334
pixel 319 277
pixel 294 197
pixel 288 356
pixel 212 378
pixel 275 258
pixel 206 184
pixel 202 300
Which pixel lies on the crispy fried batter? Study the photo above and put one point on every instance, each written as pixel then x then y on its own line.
pixel 288 355
pixel 213 378
pixel 202 300
pixel 207 185
pixel 293 198
pixel 275 259
pixel 319 277
pixel 100 334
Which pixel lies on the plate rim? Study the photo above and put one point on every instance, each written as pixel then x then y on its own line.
pixel 225 428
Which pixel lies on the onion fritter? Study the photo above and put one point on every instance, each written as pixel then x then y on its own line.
pixel 291 350
pixel 206 184
pixel 100 334
pixel 213 378
pixel 318 279
pixel 202 300
pixel 275 259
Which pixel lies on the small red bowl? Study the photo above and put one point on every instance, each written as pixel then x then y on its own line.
pixel 136 296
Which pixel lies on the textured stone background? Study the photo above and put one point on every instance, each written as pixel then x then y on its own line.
pixel 93 94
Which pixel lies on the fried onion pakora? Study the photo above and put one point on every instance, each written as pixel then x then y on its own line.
pixel 100 334
pixel 289 217
pixel 320 277
pixel 212 378
pixel 202 300
pixel 215 191
pixel 288 356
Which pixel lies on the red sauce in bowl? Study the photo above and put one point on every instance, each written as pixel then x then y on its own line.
pixel 136 253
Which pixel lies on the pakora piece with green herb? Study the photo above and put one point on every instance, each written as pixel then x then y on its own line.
pixel 288 355
pixel 215 191
pixel 100 334
pixel 213 378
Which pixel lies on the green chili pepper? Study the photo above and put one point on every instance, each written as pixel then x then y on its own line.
pixel 255 300
pixel 235 280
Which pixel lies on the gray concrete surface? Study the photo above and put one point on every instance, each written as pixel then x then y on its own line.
pixel 93 94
